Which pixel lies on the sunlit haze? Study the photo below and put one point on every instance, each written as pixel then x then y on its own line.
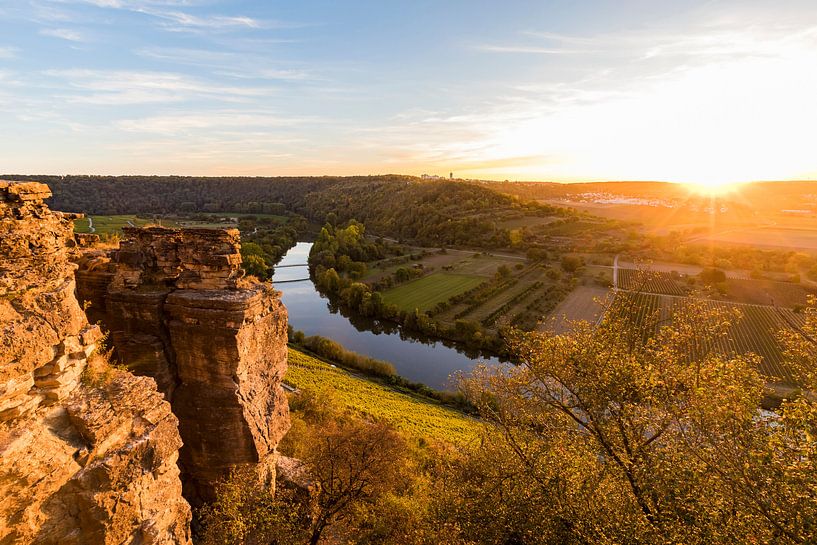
pixel 709 93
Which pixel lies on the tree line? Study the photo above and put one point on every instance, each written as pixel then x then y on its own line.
pixel 430 212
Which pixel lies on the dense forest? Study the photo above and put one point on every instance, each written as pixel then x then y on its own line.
pixel 437 212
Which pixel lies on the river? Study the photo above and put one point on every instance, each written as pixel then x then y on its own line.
pixel 419 360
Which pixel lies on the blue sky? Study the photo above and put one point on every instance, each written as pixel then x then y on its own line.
pixel 701 91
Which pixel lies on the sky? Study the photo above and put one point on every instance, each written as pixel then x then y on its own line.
pixel 708 92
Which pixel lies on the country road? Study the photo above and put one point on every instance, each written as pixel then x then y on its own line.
pixel 615 273
pixel 91 228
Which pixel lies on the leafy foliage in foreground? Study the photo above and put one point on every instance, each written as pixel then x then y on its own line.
pixel 599 436
pixel 604 437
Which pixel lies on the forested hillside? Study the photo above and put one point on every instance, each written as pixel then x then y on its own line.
pixel 437 212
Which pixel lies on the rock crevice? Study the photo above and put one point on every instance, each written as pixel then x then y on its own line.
pixel 179 311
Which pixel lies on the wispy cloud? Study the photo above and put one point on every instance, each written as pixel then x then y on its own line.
pixel 180 21
pixel 116 87
pixel 172 18
pixel 48 13
pixel 63 34
pixel 8 52
pixel 702 43
pixel 273 74
pixel 136 4
pixel 221 120
pixel 525 49
pixel 189 56
pixel 239 65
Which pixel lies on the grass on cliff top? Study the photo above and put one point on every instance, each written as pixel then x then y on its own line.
pixel 105 225
pixel 426 292
pixel 414 415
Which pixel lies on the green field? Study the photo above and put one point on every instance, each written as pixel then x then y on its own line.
pixel 426 292
pixel 104 225
pixel 415 415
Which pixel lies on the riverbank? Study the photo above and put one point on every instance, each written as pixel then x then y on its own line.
pixel 384 372
pixel 418 359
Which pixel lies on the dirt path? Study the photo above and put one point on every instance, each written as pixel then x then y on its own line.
pixel 615 274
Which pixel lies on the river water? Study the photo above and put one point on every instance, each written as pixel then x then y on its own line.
pixel 419 360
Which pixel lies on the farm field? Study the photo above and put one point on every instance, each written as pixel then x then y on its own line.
pixel 658 219
pixel 770 237
pixel 651 216
pixel 418 416
pixel 452 261
pixel 521 298
pixel 435 261
pixel 651 282
pixel 681 268
pixel 426 292
pixel 768 292
pixel 580 304
pixel 736 290
pixel 504 299
pixel 483 265
pixel 569 228
pixel 755 331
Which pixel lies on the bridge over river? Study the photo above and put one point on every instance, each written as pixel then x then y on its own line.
pixel 293 279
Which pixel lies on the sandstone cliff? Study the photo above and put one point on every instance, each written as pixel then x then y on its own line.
pixel 178 311
pixel 88 454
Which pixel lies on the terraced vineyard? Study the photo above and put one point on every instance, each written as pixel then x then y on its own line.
pixel 764 292
pixel 522 299
pixel 754 332
pixel 415 415
pixel 651 282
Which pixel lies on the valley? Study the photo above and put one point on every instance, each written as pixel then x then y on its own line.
pixel 533 266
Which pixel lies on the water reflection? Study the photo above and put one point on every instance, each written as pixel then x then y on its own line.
pixel 415 356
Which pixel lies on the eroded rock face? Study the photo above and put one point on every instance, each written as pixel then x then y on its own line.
pixel 178 311
pixel 87 454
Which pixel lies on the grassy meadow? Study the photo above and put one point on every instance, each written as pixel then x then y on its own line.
pixel 426 292
pixel 106 225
